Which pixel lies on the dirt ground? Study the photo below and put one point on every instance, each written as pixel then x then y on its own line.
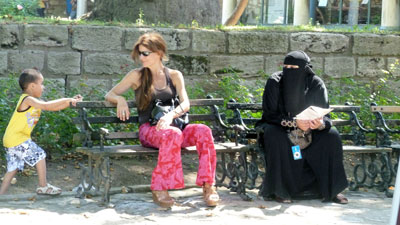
pixel 64 171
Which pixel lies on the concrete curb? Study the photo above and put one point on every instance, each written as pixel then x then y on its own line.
pixel 113 191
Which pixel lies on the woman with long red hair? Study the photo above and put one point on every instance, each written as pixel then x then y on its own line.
pixel 155 81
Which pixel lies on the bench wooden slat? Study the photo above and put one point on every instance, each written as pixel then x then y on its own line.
pixel 122 135
pixel 135 119
pixel 253 121
pixel 258 106
pixel 132 104
pixel 124 150
pixel 341 122
pixel 365 149
pixel 385 109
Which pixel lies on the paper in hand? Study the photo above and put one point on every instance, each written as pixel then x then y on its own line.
pixel 313 112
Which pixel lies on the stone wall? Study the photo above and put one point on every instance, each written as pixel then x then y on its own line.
pixel 100 55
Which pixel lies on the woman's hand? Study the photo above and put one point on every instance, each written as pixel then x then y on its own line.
pixel 304 125
pixel 165 121
pixel 315 124
pixel 122 109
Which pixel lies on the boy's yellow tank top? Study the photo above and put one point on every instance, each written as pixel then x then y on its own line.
pixel 41 4
pixel 20 127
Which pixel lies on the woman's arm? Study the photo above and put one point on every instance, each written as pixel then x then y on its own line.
pixel 131 80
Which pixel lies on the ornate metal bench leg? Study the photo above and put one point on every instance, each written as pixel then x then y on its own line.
pixel 357 183
pixel 221 172
pixel 241 175
pixel 253 171
pixel 104 178
pixel 107 183
pixel 87 179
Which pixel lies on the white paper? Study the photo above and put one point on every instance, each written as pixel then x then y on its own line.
pixel 364 2
pixel 313 112
pixel 322 3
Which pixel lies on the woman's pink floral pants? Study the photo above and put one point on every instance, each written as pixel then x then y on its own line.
pixel 168 173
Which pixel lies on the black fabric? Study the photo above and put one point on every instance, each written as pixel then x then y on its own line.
pixel 321 166
pixel 165 94
pixel 294 84
pixel 162 108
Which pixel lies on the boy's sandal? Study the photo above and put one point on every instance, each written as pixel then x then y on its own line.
pixel 48 190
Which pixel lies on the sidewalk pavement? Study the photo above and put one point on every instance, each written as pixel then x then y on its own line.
pixel 138 208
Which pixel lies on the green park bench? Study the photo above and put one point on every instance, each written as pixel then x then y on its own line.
pixel 367 173
pixel 99 140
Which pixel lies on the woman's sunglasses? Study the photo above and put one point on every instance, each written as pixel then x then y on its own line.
pixel 145 53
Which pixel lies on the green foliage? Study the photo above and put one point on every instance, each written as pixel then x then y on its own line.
pixel 140 20
pixel 10 7
pixel 231 85
pixel 347 90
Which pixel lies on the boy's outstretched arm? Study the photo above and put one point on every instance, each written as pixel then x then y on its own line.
pixel 54 105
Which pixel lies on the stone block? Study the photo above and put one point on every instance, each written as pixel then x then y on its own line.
pixel 208 41
pixel 54 88
pixel 319 42
pixel 394 66
pixel 176 39
pixel 93 38
pixel 391 45
pixel 20 60
pixel 317 64
pixel 46 35
pixel 189 64
pixel 340 66
pixel 3 62
pixel 64 62
pixel 240 64
pixel 370 66
pixel 273 63
pixel 257 42
pixel 108 63
pixel 10 36
pixel 367 44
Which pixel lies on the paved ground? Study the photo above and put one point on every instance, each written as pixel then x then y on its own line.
pixel 137 208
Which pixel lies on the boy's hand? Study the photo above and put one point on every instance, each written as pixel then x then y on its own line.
pixel 79 98
pixel 75 99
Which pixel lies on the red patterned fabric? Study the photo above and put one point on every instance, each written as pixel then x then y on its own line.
pixel 168 173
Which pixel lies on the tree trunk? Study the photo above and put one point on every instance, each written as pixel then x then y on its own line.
pixel 237 13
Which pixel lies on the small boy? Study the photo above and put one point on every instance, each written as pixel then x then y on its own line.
pixel 19 147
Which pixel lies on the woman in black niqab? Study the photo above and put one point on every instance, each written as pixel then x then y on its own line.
pixel 320 171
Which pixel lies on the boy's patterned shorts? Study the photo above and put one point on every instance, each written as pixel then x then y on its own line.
pixel 28 152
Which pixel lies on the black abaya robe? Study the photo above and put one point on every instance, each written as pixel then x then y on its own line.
pixel 321 167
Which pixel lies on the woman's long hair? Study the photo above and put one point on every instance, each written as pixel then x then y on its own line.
pixel 155 43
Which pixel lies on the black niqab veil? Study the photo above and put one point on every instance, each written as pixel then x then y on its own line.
pixel 294 83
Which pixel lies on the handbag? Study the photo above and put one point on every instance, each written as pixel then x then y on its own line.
pixel 161 108
pixel 300 138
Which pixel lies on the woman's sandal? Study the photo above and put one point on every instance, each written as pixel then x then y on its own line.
pixel 340 199
pixel 210 195
pixel 283 200
pixel 48 190
pixel 163 199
